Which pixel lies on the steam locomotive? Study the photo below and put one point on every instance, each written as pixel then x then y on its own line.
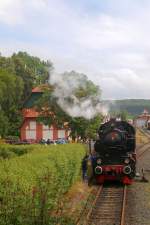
pixel 115 153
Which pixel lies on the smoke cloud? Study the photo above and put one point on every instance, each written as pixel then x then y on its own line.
pixel 66 86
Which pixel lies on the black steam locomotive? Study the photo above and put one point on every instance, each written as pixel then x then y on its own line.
pixel 115 152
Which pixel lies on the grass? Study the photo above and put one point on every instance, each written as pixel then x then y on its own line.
pixel 32 186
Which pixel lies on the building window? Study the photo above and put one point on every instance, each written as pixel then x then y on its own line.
pixel 47 132
pixel 30 134
pixel 33 125
pixel 31 130
pixel 61 133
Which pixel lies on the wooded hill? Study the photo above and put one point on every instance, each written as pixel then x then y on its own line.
pixel 133 106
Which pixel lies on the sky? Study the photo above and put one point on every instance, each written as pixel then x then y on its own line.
pixel 108 40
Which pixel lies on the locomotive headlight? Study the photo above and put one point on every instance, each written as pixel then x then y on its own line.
pixel 99 161
pixel 127 170
pixel 98 170
pixel 127 160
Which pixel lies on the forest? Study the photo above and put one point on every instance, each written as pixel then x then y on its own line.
pixel 132 107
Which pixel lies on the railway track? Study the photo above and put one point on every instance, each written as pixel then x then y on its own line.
pixel 142 149
pixel 145 132
pixel 145 147
pixel 108 207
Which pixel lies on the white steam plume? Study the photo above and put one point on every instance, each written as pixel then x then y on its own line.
pixel 65 87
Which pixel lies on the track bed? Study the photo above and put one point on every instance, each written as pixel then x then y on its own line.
pixel 108 206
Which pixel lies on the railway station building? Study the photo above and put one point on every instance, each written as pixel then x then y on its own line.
pixel 33 131
pixel 142 120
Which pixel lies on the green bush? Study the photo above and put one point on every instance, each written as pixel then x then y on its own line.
pixel 8 151
pixel 32 186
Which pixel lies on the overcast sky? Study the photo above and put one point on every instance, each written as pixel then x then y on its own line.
pixel 109 40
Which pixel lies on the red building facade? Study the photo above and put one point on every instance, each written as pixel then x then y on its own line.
pixel 34 131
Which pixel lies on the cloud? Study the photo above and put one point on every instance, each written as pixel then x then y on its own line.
pixel 126 84
pixel 11 11
pixel 110 43
pixel 15 12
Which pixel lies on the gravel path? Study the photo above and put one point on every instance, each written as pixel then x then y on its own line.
pixel 138 198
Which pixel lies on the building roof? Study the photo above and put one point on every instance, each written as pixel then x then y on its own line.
pixel 145 112
pixel 37 89
pixel 35 95
pixel 144 116
pixel 32 99
pixel 30 113
pixel 42 88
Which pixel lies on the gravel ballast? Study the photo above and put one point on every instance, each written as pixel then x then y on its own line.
pixel 138 197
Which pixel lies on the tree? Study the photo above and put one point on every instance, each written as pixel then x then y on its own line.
pixel 11 89
pixel 94 124
pixel 123 114
pixel 6 63
pixel 32 70
pixel 4 124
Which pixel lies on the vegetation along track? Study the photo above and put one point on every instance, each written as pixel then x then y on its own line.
pixel 108 207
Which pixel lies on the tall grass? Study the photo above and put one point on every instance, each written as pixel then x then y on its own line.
pixel 8 151
pixel 32 186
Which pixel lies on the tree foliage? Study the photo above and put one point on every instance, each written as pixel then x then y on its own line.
pixel 11 88
pixel 18 75
pixel 134 107
pixel 32 70
pixel 122 114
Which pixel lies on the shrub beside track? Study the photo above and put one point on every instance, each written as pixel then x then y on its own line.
pixel 32 186
pixel 8 151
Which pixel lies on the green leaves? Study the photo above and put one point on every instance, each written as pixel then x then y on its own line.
pixel 18 75
pixel 10 96
pixel 32 186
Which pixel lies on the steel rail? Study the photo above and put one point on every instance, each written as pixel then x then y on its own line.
pixel 84 208
pixel 147 144
pixel 94 203
pixel 141 153
pixel 141 146
pixel 122 222
pixel 108 207
pixel 145 132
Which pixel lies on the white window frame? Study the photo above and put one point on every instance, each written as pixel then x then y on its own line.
pixel 61 134
pixel 47 132
pixel 31 130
